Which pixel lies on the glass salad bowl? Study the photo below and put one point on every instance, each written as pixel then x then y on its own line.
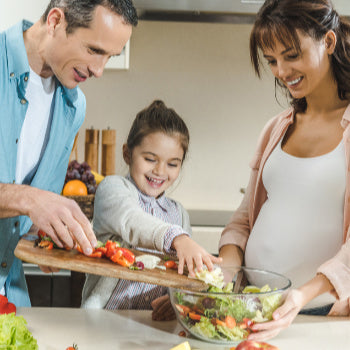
pixel 225 314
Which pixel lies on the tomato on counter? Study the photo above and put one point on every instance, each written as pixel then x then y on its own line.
pixel 5 306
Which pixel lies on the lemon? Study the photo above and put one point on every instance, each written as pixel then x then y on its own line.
pixel 182 346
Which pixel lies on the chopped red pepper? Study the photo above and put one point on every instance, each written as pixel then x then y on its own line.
pixel 46 244
pixel 111 247
pixel 123 257
pixel 103 250
pixel 42 234
pixel 94 254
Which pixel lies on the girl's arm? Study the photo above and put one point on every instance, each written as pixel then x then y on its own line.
pixel 117 212
pixel 296 299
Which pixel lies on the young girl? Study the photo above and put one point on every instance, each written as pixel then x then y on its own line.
pixel 295 216
pixel 135 211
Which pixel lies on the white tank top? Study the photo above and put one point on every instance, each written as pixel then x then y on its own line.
pixel 39 94
pixel 300 225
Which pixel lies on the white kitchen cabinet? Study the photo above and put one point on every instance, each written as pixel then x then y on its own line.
pixel 207 226
pixel 208 237
pixel 15 10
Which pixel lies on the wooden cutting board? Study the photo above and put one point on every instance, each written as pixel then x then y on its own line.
pixel 75 261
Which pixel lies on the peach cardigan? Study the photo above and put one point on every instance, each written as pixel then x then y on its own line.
pixel 336 269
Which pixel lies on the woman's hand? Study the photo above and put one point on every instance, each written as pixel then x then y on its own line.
pixel 295 300
pixel 193 255
pixel 162 309
pixel 282 317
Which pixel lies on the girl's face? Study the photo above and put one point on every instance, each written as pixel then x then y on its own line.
pixel 305 72
pixel 156 163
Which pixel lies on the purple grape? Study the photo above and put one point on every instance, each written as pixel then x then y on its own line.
pixel 76 174
pixel 84 178
pixel 86 166
pixel 91 189
pixel 90 176
pixel 70 175
pixel 76 166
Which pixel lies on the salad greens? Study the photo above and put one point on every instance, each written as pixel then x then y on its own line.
pixel 14 334
pixel 223 317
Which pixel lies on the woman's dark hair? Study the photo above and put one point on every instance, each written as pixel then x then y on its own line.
pixel 279 20
pixel 158 117
pixel 79 13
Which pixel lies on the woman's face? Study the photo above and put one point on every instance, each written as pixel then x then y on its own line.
pixel 156 163
pixel 305 72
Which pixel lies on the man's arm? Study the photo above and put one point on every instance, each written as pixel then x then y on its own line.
pixel 61 218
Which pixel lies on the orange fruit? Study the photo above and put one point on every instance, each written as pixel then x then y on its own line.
pixel 75 188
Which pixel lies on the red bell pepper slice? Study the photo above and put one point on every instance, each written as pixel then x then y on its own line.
pixel 46 244
pixel 123 257
pixel 111 247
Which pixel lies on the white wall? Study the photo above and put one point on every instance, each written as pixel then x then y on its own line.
pixel 201 70
pixel 204 72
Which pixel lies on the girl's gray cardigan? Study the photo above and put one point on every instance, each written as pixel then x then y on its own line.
pixel 118 216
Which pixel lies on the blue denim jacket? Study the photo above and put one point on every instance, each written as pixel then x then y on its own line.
pixel 67 117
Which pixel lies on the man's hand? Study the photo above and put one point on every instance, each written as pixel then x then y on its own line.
pixel 193 255
pixel 61 218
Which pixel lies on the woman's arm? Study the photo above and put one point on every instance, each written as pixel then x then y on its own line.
pixel 231 255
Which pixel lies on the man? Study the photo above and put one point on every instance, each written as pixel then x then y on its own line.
pixel 41 110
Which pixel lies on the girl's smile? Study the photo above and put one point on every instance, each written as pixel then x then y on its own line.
pixel 155 183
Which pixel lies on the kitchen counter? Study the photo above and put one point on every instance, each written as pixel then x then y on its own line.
pixel 58 328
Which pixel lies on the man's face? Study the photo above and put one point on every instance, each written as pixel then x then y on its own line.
pixel 82 54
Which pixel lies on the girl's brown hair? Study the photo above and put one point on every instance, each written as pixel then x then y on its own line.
pixel 279 20
pixel 158 117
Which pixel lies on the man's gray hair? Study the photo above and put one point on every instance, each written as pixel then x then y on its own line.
pixel 79 13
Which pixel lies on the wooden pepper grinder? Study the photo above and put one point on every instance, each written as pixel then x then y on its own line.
pixel 92 138
pixel 108 152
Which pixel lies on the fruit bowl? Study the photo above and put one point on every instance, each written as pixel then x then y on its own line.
pixel 226 315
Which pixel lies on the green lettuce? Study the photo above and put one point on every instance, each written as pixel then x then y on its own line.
pixel 14 334
pixel 205 329
pixel 235 334
pixel 270 304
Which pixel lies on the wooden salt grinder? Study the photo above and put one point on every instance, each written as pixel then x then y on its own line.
pixel 108 152
pixel 92 138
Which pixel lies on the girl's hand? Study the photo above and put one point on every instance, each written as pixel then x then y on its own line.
pixel 282 317
pixel 162 309
pixel 193 255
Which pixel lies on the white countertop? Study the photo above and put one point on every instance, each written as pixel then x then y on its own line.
pixel 58 328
